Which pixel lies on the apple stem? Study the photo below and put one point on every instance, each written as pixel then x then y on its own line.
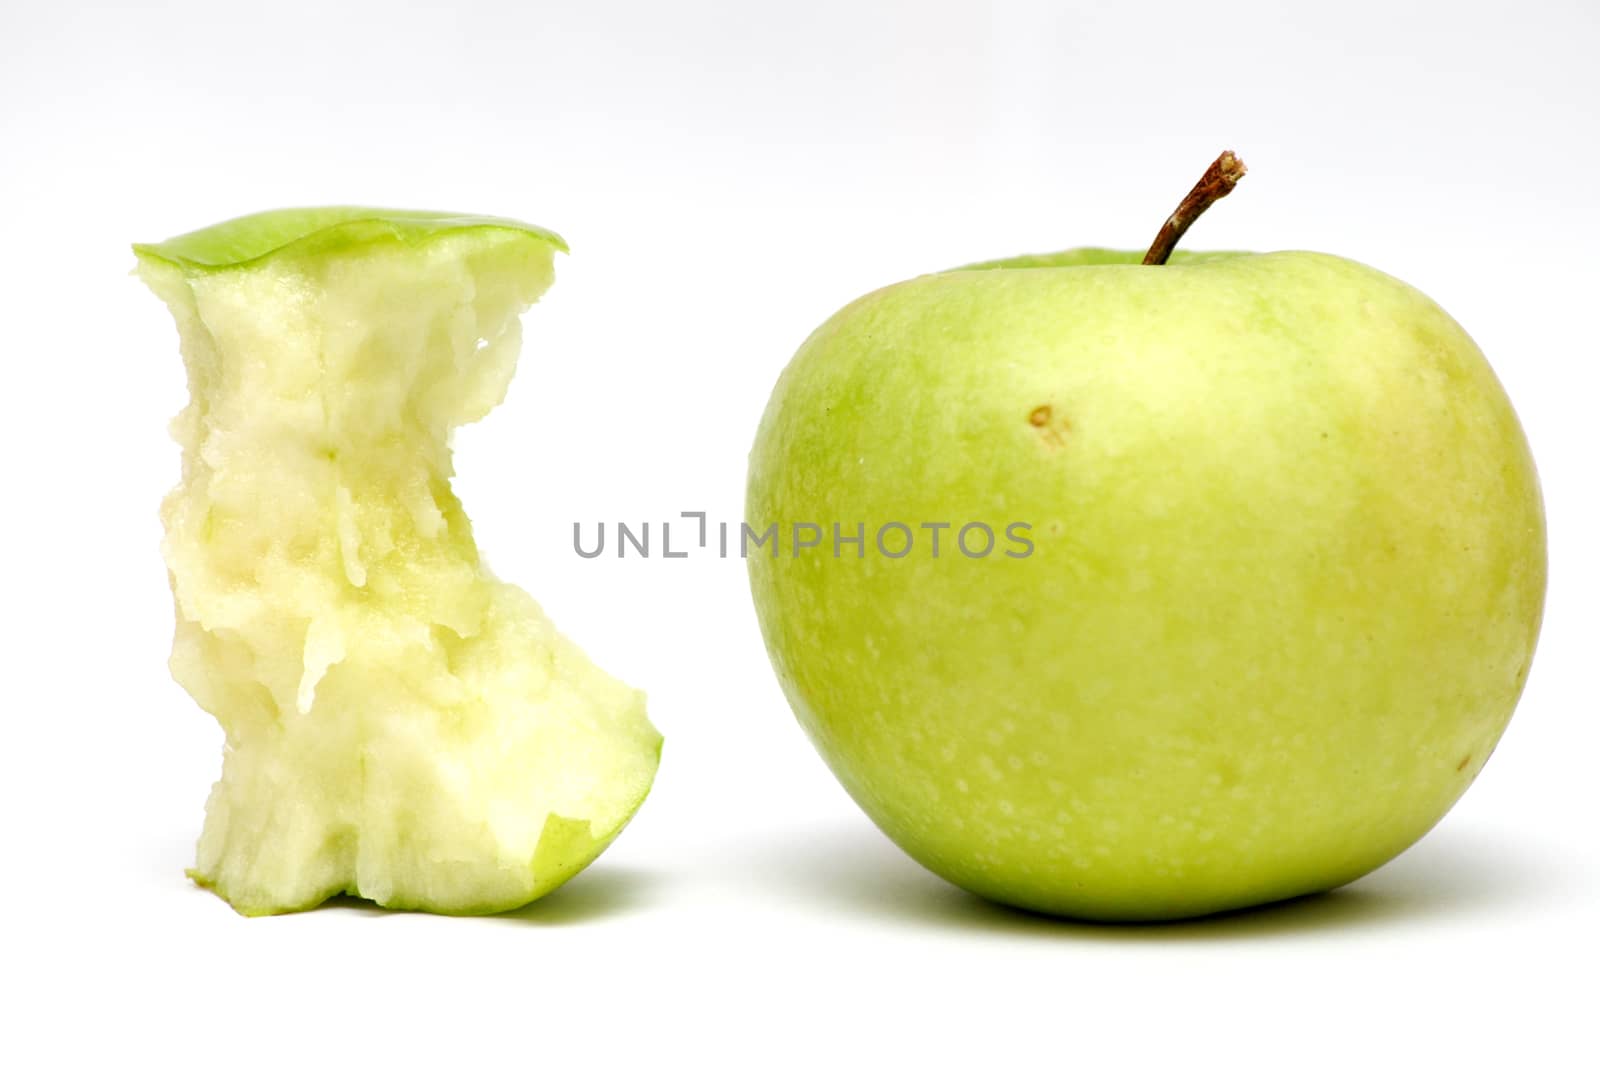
pixel 1218 181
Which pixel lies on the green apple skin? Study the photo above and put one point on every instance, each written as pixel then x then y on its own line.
pixel 1287 575
pixel 316 232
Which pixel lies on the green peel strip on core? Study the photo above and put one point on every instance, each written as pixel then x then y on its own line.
pixel 309 231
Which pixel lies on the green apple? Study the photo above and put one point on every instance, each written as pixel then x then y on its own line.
pixel 400 725
pixel 1273 578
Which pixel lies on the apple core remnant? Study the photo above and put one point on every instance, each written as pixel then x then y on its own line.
pixel 400 725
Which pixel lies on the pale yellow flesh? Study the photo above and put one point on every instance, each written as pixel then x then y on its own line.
pixel 400 725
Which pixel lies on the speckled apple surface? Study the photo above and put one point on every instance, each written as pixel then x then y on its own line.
pixel 400 725
pixel 1287 577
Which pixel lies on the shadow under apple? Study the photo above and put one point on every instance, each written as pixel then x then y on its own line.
pixel 857 871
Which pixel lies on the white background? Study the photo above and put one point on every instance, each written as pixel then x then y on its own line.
pixel 728 174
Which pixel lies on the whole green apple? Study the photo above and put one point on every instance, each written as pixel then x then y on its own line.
pixel 1265 578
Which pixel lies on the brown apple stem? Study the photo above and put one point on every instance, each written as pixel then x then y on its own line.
pixel 1218 181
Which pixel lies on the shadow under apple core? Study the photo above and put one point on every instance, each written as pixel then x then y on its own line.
pixel 597 893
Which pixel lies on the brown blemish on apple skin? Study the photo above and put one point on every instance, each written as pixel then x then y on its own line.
pixel 1052 429
pixel 1462 765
